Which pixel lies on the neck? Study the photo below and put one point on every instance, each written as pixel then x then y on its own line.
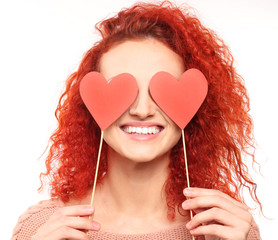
pixel 135 188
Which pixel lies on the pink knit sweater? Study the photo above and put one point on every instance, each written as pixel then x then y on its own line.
pixel 38 214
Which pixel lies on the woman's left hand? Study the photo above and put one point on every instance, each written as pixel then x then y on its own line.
pixel 217 215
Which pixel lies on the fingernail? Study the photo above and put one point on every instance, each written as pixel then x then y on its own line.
pixel 188 225
pixel 185 205
pixel 96 225
pixel 90 209
pixel 187 191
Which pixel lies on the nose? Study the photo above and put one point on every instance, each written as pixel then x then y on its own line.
pixel 143 106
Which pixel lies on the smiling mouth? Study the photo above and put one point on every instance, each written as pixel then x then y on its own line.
pixel 142 130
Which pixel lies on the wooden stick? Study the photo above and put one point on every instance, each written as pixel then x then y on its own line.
pixel 186 170
pixel 96 173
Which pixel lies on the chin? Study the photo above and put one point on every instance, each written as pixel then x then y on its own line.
pixel 141 159
pixel 145 156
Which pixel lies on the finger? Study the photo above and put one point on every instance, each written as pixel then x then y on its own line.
pixel 214 215
pixel 220 231
pixel 211 230
pixel 78 210
pixel 70 234
pixel 197 192
pixel 81 223
pixel 61 217
pixel 216 201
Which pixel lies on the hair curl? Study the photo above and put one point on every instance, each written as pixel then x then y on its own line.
pixel 216 138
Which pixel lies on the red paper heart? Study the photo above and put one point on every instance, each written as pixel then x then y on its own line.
pixel 107 101
pixel 181 99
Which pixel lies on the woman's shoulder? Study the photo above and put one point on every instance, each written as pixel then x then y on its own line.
pixel 34 217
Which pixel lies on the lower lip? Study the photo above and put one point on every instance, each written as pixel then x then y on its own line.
pixel 142 137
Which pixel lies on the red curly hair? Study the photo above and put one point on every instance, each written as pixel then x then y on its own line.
pixel 216 137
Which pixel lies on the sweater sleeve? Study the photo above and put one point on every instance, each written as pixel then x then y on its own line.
pixel 33 218
pixel 254 233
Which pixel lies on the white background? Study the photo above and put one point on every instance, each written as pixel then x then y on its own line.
pixel 42 42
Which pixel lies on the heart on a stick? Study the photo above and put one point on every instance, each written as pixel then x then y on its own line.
pixel 179 99
pixel 107 101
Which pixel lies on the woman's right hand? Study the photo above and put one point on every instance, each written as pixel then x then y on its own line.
pixel 68 223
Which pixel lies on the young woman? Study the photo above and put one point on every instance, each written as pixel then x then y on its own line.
pixel 141 191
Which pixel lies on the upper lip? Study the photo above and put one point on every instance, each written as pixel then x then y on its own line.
pixel 142 124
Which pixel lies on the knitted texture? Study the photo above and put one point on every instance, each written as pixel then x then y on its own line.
pixel 33 218
pixel 37 215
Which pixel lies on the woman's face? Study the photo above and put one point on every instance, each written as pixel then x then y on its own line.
pixel 144 132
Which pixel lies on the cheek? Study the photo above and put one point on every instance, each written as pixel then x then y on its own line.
pixel 176 136
pixel 108 136
pixel 112 138
pixel 174 128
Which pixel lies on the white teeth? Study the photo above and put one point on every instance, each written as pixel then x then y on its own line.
pixel 141 130
pixel 145 130
pixel 138 130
